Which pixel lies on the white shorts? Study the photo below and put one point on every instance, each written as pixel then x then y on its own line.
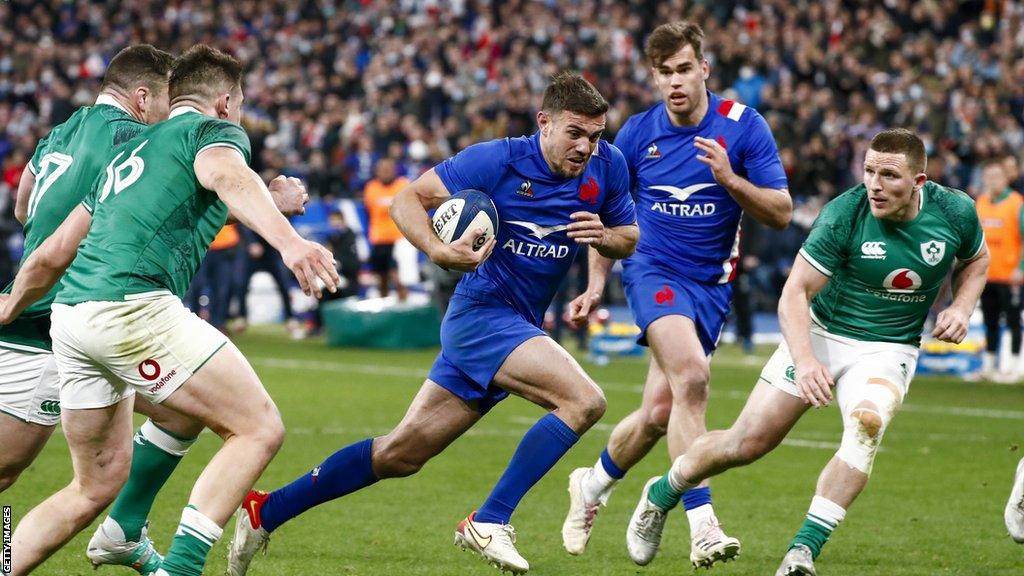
pixel 29 386
pixel 852 364
pixel 107 351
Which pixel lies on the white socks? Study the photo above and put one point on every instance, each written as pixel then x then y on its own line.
pixel 597 484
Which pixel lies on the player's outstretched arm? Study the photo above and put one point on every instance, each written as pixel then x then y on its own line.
pixel 969 278
pixel 769 206
pixel 47 264
pixel 289 195
pixel 409 211
pixel 812 378
pixel 224 171
pixel 25 185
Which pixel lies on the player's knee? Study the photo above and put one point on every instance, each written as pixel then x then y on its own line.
pixel 395 458
pixel 689 382
pixel 270 434
pixel 656 419
pixel 8 478
pixel 868 420
pixel 591 405
pixel 748 446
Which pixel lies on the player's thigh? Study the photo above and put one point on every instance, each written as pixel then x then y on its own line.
pixel 767 417
pixel 434 419
pixel 100 441
pixel 22 441
pixel 167 419
pixel 226 395
pixel 678 351
pixel 542 372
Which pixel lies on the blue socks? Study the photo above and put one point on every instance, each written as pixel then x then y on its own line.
pixel 696 497
pixel 542 446
pixel 344 472
pixel 610 467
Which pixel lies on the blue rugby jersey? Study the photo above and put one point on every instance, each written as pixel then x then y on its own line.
pixel 689 225
pixel 533 252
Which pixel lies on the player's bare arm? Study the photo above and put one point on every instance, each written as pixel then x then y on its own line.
pixel 769 206
pixel 616 242
pixel 812 378
pixel 612 244
pixel 46 265
pixel 597 276
pixel 25 185
pixel 409 211
pixel 224 171
pixel 968 281
pixel 289 195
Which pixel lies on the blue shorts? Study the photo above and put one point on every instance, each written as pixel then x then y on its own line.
pixel 476 337
pixel 653 293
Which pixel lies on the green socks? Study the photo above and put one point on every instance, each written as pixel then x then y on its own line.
pixel 195 536
pixel 156 454
pixel 664 494
pixel 822 518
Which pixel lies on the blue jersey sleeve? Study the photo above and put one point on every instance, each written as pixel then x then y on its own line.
pixel 625 142
pixel 618 208
pixel 478 167
pixel 761 156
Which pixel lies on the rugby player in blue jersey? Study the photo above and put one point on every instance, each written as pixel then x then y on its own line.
pixel 556 191
pixel 696 162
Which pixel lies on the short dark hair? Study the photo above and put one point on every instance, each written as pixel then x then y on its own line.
pixel 902 141
pixel 571 92
pixel 204 72
pixel 994 161
pixel 670 38
pixel 139 65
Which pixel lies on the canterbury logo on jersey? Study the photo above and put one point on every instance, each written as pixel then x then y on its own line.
pixel 873 250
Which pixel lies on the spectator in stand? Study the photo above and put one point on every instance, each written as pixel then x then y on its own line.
pixel 378 195
pixel 263 257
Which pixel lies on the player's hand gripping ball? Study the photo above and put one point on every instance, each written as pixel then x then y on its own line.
pixel 462 214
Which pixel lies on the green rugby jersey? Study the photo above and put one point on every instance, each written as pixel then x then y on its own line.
pixel 65 165
pixel 883 275
pixel 152 221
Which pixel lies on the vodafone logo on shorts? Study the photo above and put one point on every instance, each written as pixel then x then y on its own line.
pixel 149 369
pixel 902 280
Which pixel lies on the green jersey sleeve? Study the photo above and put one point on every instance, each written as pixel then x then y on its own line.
pixel 89 200
pixel 825 248
pixel 970 229
pixel 34 165
pixel 213 132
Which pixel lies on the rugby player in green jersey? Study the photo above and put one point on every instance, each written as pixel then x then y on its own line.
pixel 851 312
pixel 119 326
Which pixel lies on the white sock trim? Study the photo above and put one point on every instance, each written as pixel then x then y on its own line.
pixel 698 516
pixel 194 523
pixel 163 440
pixel 113 530
pixel 597 484
pixel 825 512
pixel 676 480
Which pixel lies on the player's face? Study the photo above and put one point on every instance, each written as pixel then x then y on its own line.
pixel 567 140
pixel 681 81
pixel 892 186
pixel 993 178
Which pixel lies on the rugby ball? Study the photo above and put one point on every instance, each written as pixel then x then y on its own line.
pixel 464 212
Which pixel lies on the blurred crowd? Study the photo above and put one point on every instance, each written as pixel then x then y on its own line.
pixel 335 88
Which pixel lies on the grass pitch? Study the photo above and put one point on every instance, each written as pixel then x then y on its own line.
pixel 933 506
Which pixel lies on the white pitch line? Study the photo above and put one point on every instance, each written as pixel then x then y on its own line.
pixel 398 372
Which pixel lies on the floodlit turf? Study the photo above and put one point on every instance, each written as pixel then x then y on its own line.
pixel 933 507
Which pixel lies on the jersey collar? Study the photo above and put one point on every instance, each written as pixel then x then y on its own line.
pixel 183 110
pixel 109 100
